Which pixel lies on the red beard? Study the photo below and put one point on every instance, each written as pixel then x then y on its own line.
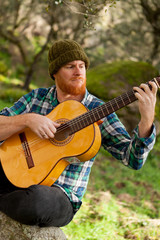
pixel 70 89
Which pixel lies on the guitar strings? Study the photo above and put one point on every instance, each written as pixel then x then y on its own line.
pixel 31 142
pixel 85 116
pixel 125 96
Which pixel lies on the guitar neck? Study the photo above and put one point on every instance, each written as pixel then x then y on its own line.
pixel 103 110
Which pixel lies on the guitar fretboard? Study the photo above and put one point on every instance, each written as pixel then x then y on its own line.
pixel 101 111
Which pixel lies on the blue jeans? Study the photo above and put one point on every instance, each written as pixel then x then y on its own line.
pixel 37 205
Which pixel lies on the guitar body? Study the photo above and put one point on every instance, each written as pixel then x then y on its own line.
pixel 26 159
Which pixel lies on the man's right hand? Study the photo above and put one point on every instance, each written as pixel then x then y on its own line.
pixel 41 125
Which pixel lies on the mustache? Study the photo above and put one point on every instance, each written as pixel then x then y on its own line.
pixel 78 78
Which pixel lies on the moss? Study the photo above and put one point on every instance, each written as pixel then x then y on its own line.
pixel 111 79
pixel 3 68
pixel 12 94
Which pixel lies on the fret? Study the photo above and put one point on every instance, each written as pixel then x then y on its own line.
pixel 103 111
pixel 128 97
pixel 122 100
pixel 105 108
pixel 80 124
pixel 90 118
pixel 111 106
pixel 133 96
pixel 117 103
pixel 114 104
pixel 97 113
pixel 94 116
pixel 87 120
pixel 73 127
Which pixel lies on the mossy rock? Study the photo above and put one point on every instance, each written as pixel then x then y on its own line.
pixel 109 80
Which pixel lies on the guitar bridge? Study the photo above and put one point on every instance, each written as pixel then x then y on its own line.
pixel 26 150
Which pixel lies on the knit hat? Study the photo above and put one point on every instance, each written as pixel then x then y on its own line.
pixel 63 52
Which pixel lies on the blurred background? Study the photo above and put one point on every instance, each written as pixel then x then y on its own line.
pixel 122 40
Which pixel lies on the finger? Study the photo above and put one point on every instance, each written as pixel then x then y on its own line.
pixel 49 132
pixel 147 88
pixel 154 87
pixel 44 135
pixel 139 91
pixel 56 124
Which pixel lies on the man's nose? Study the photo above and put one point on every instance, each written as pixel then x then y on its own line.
pixel 77 71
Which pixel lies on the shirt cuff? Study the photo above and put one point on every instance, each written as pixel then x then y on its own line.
pixel 148 141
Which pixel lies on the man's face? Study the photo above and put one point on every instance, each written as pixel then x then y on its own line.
pixel 71 78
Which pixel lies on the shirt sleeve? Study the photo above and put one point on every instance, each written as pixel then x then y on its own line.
pixel 131 151
pixel 23 105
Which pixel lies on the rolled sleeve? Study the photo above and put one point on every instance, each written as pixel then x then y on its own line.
pixel 149 141
pixel 131 151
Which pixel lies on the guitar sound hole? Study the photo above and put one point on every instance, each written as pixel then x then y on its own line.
pixel 62 138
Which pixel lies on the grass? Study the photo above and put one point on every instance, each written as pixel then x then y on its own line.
pixel 120 203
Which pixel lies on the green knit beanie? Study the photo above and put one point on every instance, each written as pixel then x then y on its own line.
pixel 63 52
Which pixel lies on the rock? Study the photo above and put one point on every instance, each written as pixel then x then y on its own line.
pixel 12 230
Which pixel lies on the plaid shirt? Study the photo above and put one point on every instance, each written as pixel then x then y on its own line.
pixel 132 152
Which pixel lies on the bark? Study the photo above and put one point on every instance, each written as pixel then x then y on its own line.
pixel 36 58
pixel 152 15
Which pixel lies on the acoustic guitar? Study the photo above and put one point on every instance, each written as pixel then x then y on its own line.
pixel 27 159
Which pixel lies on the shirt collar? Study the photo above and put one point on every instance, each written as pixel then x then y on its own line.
pixel 85 97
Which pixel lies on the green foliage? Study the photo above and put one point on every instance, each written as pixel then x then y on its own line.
pixel 18 72
pixel 5 57
pixel 12 94
pixel 111 79
pixel 4 104
pixel 3 68
pixel 11 89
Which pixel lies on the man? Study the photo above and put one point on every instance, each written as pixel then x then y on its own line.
pixel 56 205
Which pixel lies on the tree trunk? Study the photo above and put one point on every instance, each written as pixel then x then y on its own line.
pixel 36 58
pixel 152 15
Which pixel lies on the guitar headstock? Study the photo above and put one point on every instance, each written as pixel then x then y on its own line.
pixel 157 81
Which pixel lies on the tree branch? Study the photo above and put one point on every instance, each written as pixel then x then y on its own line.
pixel 11 38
